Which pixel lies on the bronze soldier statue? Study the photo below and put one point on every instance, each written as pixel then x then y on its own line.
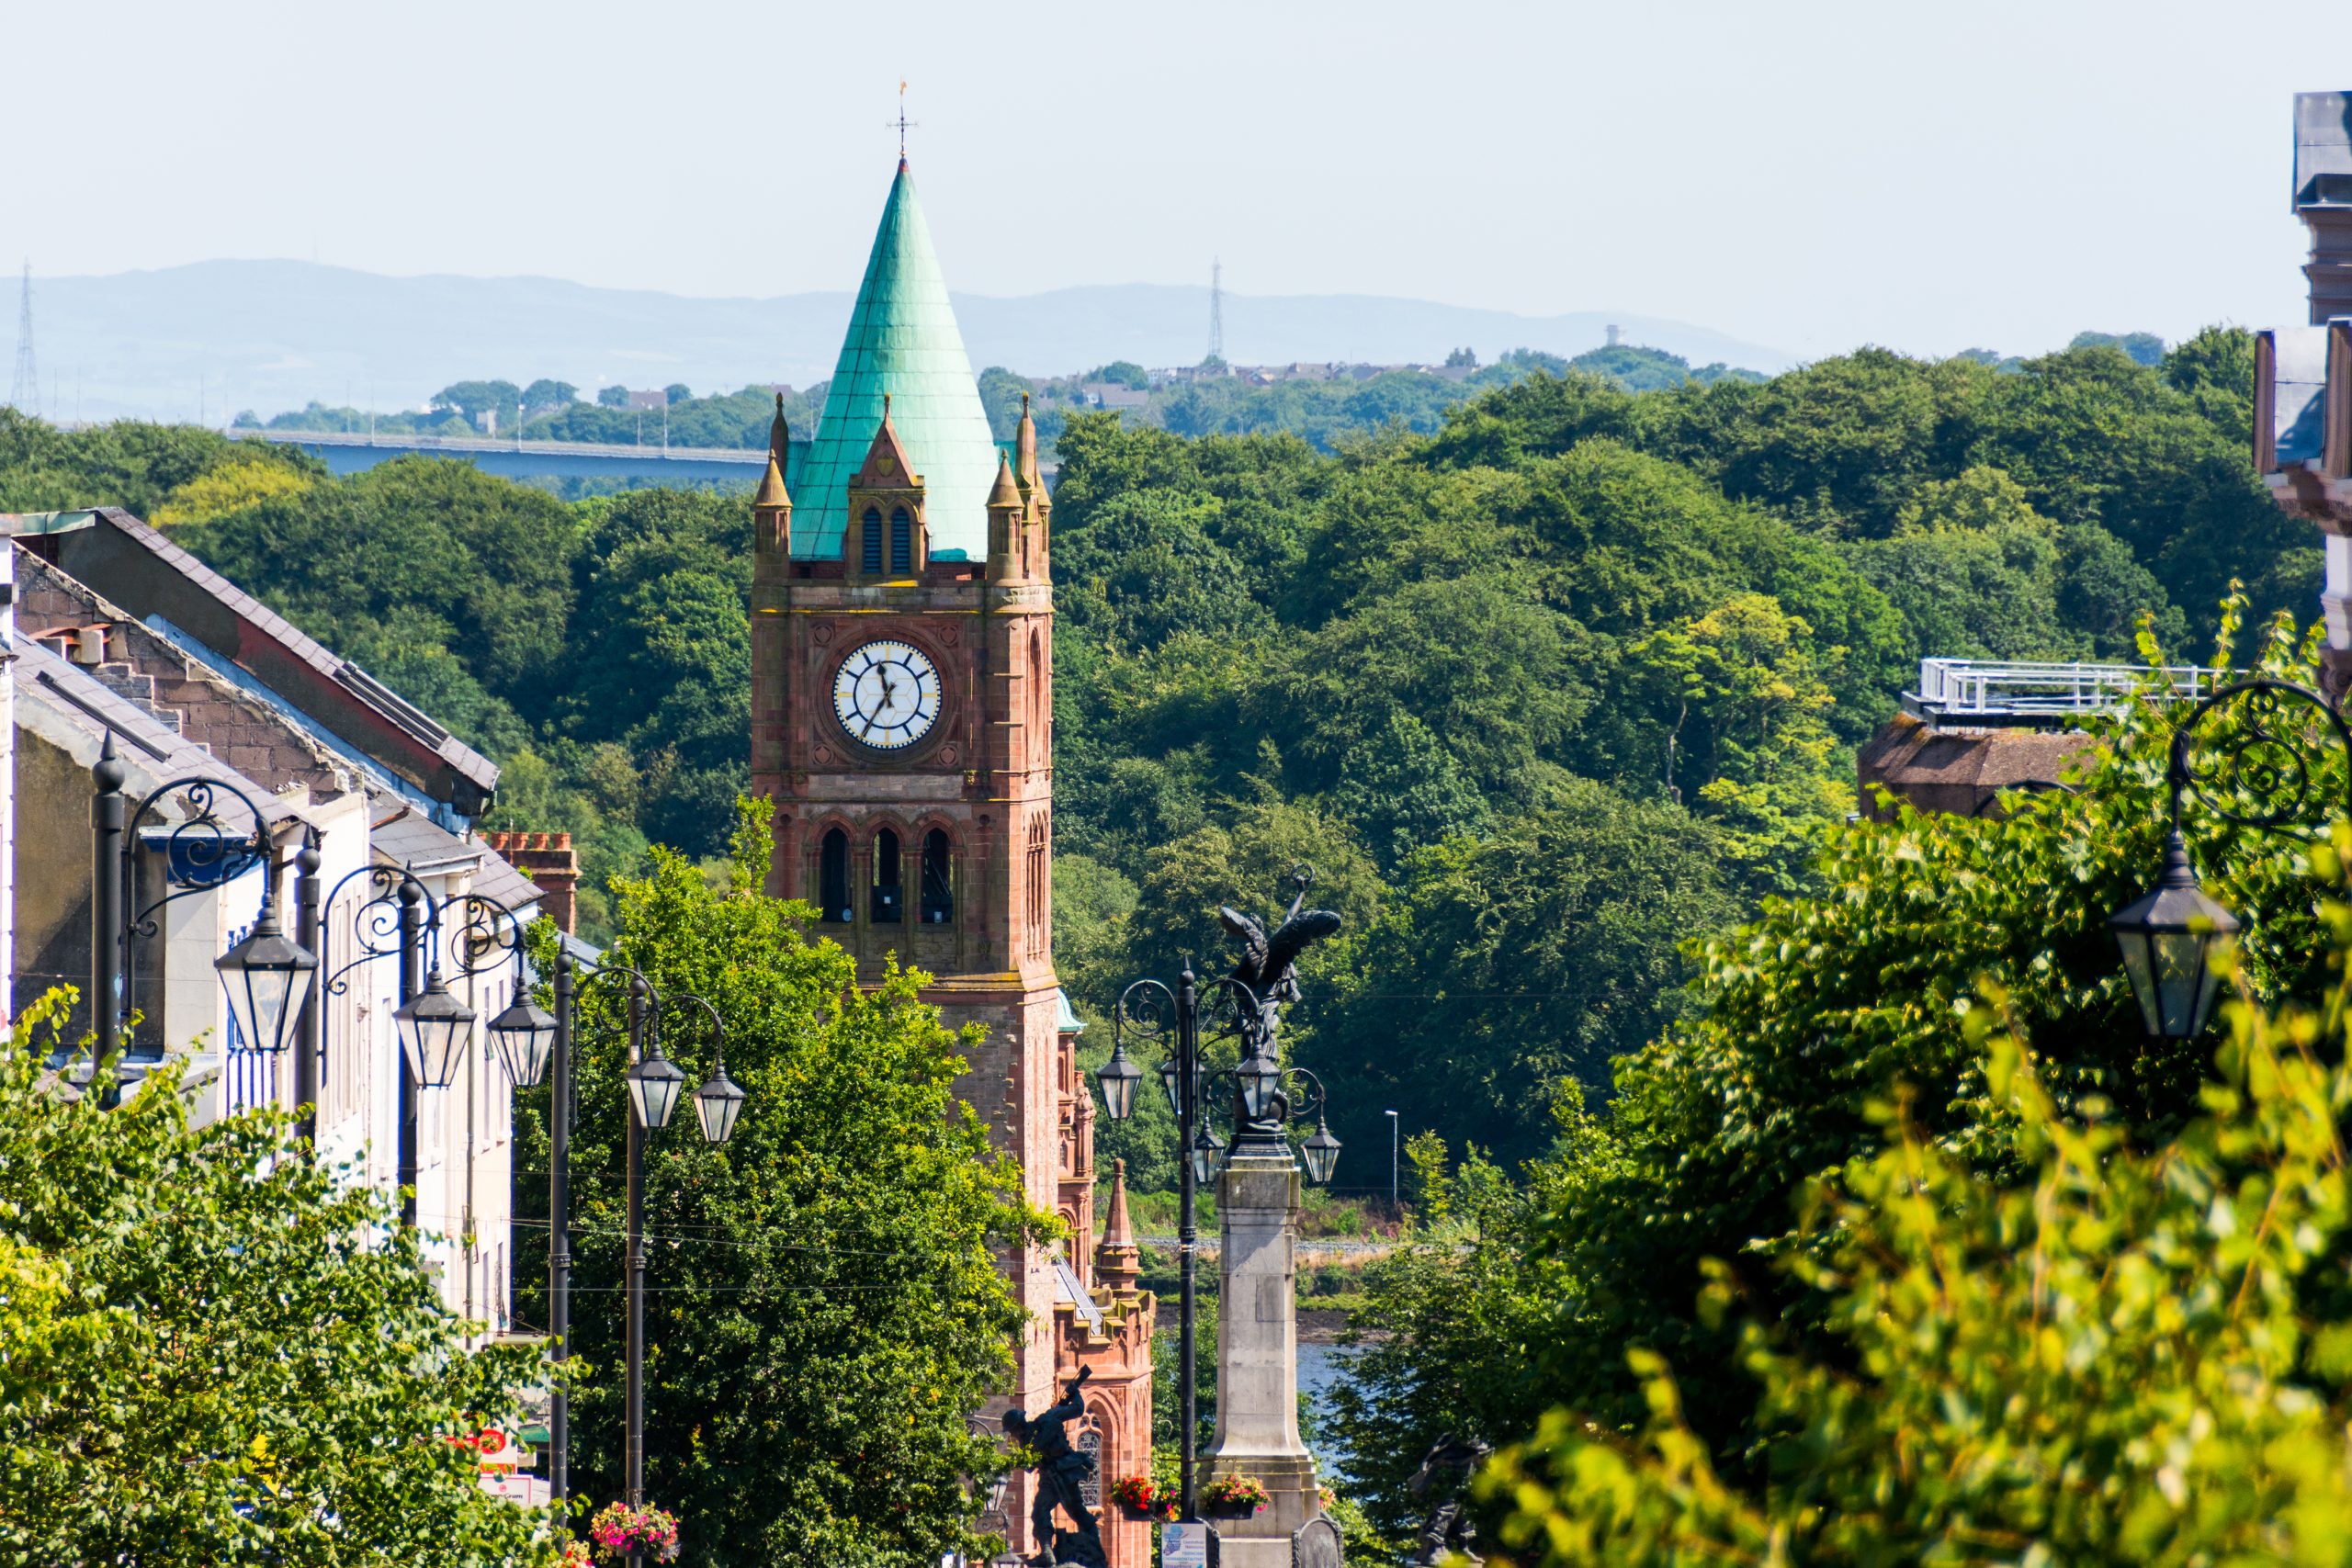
pixel 1061 1472
pixel 1448 1528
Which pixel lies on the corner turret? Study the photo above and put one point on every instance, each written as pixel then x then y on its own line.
pixel 1025 450
pixel 1117 1263
pixel 1008 526
pixel 772 506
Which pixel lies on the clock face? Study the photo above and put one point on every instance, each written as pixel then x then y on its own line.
pixel 886 694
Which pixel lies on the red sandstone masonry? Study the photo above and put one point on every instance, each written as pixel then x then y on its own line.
pixel 551 864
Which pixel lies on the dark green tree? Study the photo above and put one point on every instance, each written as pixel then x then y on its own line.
pixel 828 1307
pixel 220 1350
pixel 545 396
pixel 1502 968
pixel 474 398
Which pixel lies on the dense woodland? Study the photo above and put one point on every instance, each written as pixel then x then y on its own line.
pixel 1560 699
pixel 1323 412
pixel 1539 695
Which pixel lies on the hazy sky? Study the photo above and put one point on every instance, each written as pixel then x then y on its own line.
pixel 1811 175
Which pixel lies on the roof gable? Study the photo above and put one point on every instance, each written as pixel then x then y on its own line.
pixel 138 568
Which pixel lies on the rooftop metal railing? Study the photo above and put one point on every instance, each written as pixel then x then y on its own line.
pixel 1995 692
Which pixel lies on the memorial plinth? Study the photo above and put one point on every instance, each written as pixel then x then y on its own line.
pixel 1256 1356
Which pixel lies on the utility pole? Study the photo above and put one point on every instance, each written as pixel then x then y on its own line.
pixel 24 387
pixel 1392 1164
pixel 1217 311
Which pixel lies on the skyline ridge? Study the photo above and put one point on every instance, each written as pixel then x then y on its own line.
pixel 273 334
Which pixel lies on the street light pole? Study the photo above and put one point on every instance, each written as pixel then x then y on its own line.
pixel 633 1448
pixel 409 899
pixel 559 1235
pixel 654 1083
pixel 107 935
pixel 1188 1073
pixel 1392 1164
pixel 311 1030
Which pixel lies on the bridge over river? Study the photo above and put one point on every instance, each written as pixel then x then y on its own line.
pixel 349 453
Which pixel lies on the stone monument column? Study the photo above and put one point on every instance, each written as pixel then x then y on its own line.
pixel 1257 1355
pixel 1258 1212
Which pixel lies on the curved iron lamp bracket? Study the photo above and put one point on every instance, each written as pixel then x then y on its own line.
pixel 2266 763
pixel 374 924
pixel 717 1027
pixel 1147 1010
pixel 591 974
pixel 488 934
pixel 1311 1100
pixel 199 841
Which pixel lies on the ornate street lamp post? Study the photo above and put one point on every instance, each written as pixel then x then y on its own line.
pixel 2172 936
pixel 267 974
pixel 655 1084
pixel 1242 1008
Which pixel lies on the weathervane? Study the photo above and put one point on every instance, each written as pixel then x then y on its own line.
pixel 904 124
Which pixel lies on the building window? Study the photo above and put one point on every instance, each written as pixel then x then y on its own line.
pixel 938 890
pixel 889 907
pixel 870 532
pixel 1041 707
pixel 1038 851
pixel 902 541
pixel 1090 1443
pixel 832 878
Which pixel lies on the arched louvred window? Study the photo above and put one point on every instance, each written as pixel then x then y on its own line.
pixel 938 886
pixel 871 529
pixel 889 897
pixel 832 878
pixel 902 541
pixel 1039 849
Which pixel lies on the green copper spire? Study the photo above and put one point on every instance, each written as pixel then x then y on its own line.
pixel 902 340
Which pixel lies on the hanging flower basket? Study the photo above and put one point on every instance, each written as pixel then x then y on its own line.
pixel 621 1532
pixel 1233 1497
pixel 1138 1499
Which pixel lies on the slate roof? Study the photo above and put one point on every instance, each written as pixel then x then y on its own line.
pixel 354 684
pixel 902 340
pixel 151 751
pixel 398 833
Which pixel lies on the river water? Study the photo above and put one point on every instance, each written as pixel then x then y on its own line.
pixel 1322 1367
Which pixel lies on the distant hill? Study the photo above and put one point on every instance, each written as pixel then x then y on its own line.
pixel 272 336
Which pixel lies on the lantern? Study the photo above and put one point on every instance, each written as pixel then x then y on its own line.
pixel 268 977
pixel 434 1026
pixel 1119 1077
pixel 653 1087
pixel 2170 939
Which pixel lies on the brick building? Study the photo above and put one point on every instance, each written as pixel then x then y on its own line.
pixel 902 625
pixel 122 634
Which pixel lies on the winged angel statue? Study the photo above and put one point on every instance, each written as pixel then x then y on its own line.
pixel 1269 964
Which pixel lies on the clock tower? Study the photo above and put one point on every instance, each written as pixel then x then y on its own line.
pixel 902 627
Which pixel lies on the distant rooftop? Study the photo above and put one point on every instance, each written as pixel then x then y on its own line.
pixel 1973 694
pixel 2323 150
